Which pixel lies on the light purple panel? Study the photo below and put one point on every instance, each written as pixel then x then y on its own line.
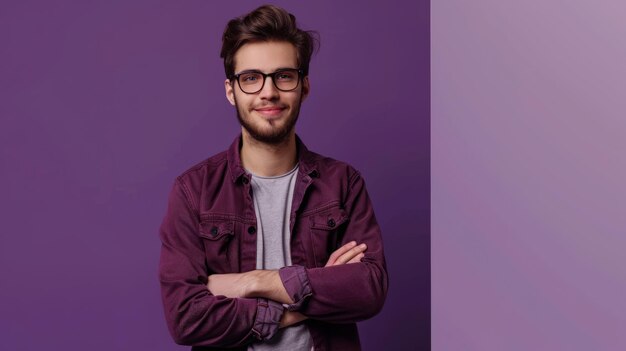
pixel 528 175
pixel 103 103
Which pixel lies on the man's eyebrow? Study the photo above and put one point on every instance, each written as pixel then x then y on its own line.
pixel 249 71
pixel 259 71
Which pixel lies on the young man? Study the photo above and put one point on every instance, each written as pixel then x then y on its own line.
pixel 269 246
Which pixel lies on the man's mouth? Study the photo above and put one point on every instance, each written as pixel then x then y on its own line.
pixel 270 111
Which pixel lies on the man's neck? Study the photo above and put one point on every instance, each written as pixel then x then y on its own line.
pixel 267 160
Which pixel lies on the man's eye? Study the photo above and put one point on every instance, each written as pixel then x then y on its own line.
pixel 249 78
pixel 284 76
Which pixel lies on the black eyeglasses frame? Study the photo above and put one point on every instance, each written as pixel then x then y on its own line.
pixel 235 77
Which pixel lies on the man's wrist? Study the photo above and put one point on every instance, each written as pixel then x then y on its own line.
pixel 266 284
pixel 290 318
pixel 251 282
pixel 259 283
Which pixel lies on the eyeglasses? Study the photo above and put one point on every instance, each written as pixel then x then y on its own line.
pixel 252 82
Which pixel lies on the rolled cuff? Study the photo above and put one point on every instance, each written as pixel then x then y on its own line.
pixel 267 321
pixel 296 283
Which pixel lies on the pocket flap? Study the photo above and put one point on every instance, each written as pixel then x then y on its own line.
pixel 329 220
pixel 214 230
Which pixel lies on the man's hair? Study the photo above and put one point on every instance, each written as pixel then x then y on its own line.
pixel 266 23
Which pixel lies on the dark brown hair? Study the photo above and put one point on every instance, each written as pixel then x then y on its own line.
pixel 266 23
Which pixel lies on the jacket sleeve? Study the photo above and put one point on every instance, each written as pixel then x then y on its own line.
pixel 194 316
pixel 350 292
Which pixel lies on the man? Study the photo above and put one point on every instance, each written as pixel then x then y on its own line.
pixel 268 245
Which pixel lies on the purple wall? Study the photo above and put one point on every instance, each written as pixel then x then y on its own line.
pixel 105 102
pixel 528 175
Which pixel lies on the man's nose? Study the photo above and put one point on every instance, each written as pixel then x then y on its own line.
pixel 269 90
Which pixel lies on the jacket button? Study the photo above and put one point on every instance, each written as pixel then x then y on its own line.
pixel 251 230
pixel 331 223
pixel 315 174
pixel 244 180
pixel 214 231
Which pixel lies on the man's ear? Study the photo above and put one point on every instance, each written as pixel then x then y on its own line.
pixel 230 94
pixel 305 87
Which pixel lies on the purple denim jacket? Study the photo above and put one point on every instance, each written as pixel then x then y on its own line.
pixel 210 227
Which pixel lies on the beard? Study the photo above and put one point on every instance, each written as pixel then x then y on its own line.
pixel 274 135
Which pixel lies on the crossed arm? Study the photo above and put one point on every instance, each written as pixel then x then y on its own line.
pixel 196 306
pixel 267 283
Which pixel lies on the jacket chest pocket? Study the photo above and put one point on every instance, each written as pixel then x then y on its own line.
pixel 217 237
pixel 326 233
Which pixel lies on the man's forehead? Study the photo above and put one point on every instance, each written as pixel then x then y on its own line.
pixel 266 56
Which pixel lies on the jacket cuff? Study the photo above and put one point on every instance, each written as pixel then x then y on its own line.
pixel 268 315
pixel 296 282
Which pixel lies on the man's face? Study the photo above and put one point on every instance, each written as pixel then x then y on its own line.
pixel 269 115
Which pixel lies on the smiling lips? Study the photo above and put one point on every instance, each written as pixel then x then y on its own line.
pixel 270 111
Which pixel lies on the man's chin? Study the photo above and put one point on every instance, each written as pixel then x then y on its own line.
pixel 272 131
pixel 272 138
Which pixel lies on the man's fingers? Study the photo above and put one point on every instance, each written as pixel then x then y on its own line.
pixel 350 254
pixel 356 258
pixel 340 251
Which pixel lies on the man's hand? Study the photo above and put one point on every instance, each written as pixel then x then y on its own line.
pixel 348 253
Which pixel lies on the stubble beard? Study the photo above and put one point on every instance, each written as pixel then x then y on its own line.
pixel 275 136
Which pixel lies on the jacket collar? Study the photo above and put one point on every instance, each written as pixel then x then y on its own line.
pixel 306 160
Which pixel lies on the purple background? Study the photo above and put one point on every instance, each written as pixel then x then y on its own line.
pixel 105 102
pixel 528 175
